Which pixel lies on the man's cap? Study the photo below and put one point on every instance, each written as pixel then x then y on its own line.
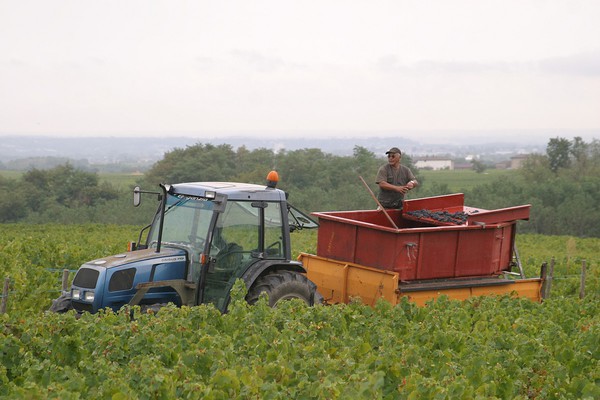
pixel 393 150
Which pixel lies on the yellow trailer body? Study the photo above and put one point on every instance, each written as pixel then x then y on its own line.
pixel 340 281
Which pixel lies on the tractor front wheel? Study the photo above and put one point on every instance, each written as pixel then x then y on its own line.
pixel 62 304
pixel 284 285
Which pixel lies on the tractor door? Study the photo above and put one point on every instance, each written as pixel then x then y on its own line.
pixel 245 233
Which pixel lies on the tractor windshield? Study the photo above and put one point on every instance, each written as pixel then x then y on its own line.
pixel 186 223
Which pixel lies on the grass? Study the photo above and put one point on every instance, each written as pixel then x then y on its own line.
pixel 9 174
pixel 460 180
pixel 457 180
pixel 123 180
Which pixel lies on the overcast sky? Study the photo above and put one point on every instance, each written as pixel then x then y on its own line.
pixel 124 67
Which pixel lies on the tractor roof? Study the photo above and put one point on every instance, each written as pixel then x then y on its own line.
pixel 233 190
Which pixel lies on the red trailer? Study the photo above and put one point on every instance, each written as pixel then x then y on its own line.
pixel 434 246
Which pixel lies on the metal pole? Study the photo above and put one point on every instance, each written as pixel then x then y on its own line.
pixel 519 263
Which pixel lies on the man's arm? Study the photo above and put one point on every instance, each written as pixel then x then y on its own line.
pixel 384 185
pixel 413 183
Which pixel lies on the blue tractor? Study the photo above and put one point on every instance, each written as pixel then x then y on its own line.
pixel 203 237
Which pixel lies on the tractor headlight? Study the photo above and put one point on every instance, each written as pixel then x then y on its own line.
pixel 88 296
pixel 76 294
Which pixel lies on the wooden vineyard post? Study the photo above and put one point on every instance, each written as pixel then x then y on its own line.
pixel 4 296
pixel 582 287
pixel 549 277
pixel 65 281
pixel 544 276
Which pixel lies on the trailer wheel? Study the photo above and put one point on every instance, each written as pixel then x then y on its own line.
pixel 152 308
pixel 284 285
pixel 62 304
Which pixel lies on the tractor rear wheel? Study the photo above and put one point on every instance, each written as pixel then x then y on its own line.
pixel 284 285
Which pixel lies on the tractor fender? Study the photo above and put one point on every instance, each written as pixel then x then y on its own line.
pixel 265 266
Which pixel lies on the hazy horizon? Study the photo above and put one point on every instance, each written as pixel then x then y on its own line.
pixel 418 136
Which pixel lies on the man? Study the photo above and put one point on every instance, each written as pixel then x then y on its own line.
pixel 394 180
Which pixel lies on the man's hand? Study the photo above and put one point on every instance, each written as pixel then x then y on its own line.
pixel 402 189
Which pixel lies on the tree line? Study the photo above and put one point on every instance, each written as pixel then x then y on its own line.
pixel 563 185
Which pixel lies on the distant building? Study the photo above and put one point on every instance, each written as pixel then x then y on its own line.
pixel 503 165
pixel 516 162
pixel 464 165
pixel 435 163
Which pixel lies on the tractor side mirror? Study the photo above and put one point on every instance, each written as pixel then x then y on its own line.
pixel 137 196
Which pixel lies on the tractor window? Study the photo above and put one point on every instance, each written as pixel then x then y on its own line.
pixel 273 232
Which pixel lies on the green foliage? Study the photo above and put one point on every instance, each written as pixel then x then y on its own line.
pixel 536 168
pixel 62 187
pixel 569 254
pixel 478 166
pixel 565 201
pixel 194 164
pixel 435 183
pixel 558 153
pixel 68 196
pixel 481 348
pixel 34 256
pixel 316 181
pixel 563 186
pixel 12 208
pixel 447 350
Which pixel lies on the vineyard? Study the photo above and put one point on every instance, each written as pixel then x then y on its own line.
pixel 481 348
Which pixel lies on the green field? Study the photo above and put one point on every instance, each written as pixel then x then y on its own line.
pixel 457 180
pixel 461 180
pixel 482 348
pixel 119 180
pixel 10 174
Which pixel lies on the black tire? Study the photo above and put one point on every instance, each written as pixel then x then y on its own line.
pixel 152 308
pixel 62 304
pixel 284 285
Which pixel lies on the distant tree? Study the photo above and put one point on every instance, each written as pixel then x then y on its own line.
pixel 12 206
pixel 478 166
pixel 306 167
pixel 558 151
pixel 365 162
pixel 594 157
pixel 579 150
pixel 253 166
pixel 46 195
pixel 200 162
pixel 536 168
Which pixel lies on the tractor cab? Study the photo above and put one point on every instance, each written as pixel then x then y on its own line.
pixel 225 228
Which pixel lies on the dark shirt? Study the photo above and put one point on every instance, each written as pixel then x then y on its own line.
pixel 396 177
